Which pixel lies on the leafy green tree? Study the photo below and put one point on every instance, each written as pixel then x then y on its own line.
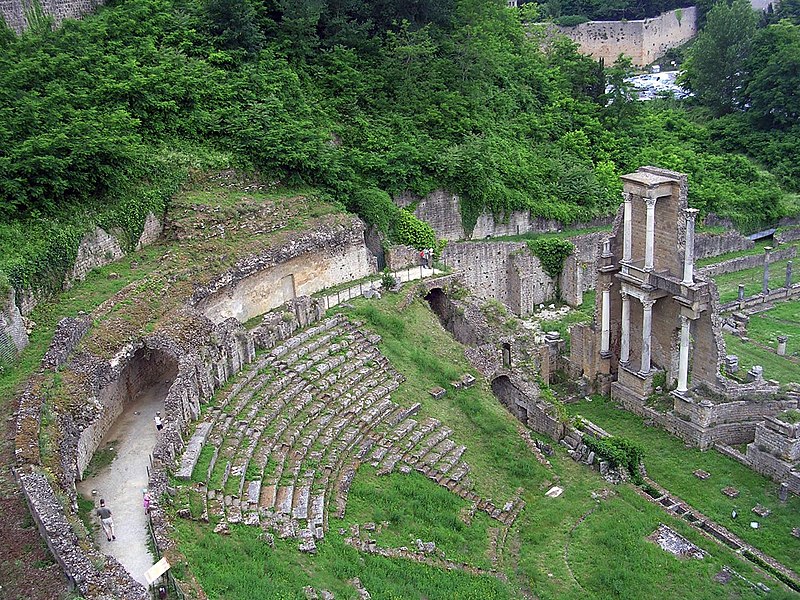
pixel 773 92
pixel 717 67
pixel 234 22
pixel 621 103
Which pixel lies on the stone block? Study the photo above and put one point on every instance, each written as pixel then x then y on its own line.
pixel 730 492
pixel 437 392
pixel 700 474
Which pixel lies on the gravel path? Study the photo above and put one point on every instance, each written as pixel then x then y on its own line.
pixel 121 483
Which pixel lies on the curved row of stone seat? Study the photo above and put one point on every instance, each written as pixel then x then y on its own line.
pixel 243 402
pixel 317 407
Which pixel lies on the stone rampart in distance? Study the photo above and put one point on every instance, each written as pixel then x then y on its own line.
pixel 18 14
pixel 643 40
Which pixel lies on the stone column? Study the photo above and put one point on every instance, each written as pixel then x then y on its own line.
pixel 782 339
pixel 625 344
pixel 765 281
pixel 741 292
pixel 650 234
pixel 647 324
pixel 688 257
pixel 788 274
pixel 683 363
pixel 605 332
pixel 627 242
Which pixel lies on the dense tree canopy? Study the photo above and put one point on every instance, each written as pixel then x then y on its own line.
pixel 361 100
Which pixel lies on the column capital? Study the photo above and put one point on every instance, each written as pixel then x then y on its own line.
pixel 627 197
pixel 650 201
pixel 691 213
pixel 684 319
pixel 625 295
pixel 647 303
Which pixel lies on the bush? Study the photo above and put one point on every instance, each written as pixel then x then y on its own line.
pixel 619 452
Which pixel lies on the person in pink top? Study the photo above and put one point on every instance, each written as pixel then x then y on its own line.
pixel 146 501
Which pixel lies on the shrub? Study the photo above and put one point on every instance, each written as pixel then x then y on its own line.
pixel 619 452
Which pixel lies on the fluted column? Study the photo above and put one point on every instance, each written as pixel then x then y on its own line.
pixel 605 331
pixel 688 259
pixel 765 281
pixel 683 360
pixel 647 326
pixel 625 343
pixel 650 234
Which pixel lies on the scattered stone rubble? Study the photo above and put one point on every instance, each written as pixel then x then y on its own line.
pixel 676 544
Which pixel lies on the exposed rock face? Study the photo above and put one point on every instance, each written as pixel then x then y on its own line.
pixel 307 263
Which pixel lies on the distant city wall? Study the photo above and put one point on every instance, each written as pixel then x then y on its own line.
pixel 644 41
pixel 19 13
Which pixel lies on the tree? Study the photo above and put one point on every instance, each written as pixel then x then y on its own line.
pixel 620 98
pixel 772 92
pixel 716 70
pixel 235 23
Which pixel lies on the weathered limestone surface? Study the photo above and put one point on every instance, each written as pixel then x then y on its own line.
pixel 13 333
pixel 311 261
pixel 712 244
pixel 442 211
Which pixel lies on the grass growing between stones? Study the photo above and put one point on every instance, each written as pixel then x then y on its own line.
pixel 575 546
pixel 417 508
pixel 671 463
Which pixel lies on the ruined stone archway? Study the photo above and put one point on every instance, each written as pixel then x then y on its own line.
pixel 147 375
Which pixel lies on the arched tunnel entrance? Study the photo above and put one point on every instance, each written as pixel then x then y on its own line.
pixel 121 442
pixel 149 372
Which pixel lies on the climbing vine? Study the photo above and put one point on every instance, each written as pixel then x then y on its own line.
pixel 551 252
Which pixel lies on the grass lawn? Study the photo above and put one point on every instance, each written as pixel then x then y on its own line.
pixel 728 283
pixel 763 331
pixel 671 463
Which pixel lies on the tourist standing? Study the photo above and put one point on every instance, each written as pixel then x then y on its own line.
pixel 106 521
pixel 159 422
pixel 146 501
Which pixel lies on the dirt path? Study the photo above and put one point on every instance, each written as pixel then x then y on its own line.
pixel 121 483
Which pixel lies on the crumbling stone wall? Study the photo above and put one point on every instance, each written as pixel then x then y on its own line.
pixel 16 12
pixel 13 333
pixel 400 257
pixel 527 408
pixel 98 248
pixel 308 263
pixel 712 244
pixel 747 262
pixel 442 211
pixel 643 40
pixel 502 271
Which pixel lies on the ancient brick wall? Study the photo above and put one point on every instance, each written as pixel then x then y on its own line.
pixel 16 13
pixel 400 257
pixel 440 209
pixel 643 40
